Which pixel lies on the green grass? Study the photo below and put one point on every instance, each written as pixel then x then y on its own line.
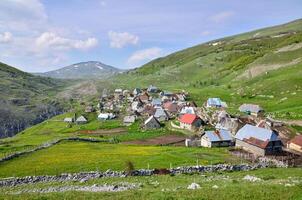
pixel 230 186
pixel 85 156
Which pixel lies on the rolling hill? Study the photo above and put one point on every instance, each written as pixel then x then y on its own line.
pixel 83 70
pixel 262 66
pixel 25 99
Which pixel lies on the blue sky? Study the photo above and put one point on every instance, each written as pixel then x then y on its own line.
pixel 42 35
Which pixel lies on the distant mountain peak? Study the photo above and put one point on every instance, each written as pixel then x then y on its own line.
pixel 83 70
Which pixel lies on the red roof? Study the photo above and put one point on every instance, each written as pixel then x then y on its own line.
pixel 188 118
pixel 297 140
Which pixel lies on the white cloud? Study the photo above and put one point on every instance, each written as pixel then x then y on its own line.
pixel 222 16
pixel 6 37
pixel 144 55
pixel 119 40
pixel 50 40
pixel 22 14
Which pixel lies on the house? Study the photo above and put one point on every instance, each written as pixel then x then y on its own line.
pixel 161 115
pixel 152 123
pixel 187 110
pixel 152 89
pixel 190 121
pixel 118 91
pixel 136 91
pixel 156 102
pixel 217 138
pixel 137 105
pixel 81 120
pixel 259 141
pixel 295 144
pixel 274 123
pixel 126 93
pixel 251 109
pixel 128 120
pixel 171 107
pixel 166 93
pixel 144 98
pixel 226 122
pixel 106 116
pixel 68 120
pixel 149 110
pixel 214 103
pixel 89 109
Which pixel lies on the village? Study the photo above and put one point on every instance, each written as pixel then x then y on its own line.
pixel 207 126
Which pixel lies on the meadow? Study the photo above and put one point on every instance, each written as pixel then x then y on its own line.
pixel 86 156
pixel 276 184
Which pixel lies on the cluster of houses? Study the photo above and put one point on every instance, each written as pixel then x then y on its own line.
pixel 154 107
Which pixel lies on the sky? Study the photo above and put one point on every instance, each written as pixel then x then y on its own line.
pixel 43 35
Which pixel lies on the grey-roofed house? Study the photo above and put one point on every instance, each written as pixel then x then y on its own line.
pixel 259 141
pixel 251 109
pixel 156 102
pixel 128 120
pixel 217 138
pixel 161 115
pixel 152 89
pixel 214 102
pixel 136 91
pixel 152 123
pixel 81 120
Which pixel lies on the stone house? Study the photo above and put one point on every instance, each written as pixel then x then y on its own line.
pixel 259 141
pixel 152 123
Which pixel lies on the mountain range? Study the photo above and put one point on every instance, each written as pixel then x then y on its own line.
pixel 83 70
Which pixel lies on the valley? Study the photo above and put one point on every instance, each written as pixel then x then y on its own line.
pixel 179 111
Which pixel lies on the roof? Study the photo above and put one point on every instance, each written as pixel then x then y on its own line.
pixel 297 140
pixel 68 119
pixel 150 119
pixel 170 106
pixel 188 118
pixel 218 135
pixel 249 131
pixel 250 108
pixel 129 119
pixel 187 110
pixel 156 102
pixel 160 113
pixel 214 102
pixel 81 119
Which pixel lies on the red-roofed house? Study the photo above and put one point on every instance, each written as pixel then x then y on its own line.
pixel 190 121
pixel 295 143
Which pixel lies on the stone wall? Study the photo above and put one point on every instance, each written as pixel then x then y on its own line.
pixel 85 176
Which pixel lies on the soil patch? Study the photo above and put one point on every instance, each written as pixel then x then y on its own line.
pixel 176 140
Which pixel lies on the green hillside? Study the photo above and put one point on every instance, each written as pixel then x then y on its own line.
pixel 262 66
pixel 25 99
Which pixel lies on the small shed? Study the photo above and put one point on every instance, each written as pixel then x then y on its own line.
pixel 68 120
pixel 251 109
pixel 81 120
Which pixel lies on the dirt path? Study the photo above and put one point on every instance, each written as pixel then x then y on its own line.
pixel 107 132
pixel 161 140
pixel 293 122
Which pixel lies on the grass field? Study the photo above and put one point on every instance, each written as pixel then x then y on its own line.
pixel 85 156
pixel 278 184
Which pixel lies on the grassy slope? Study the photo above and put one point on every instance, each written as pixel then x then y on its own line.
pixel 95 156
pixel 230 186
pixel 25 99
pixel 55 128
pixel 207 70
